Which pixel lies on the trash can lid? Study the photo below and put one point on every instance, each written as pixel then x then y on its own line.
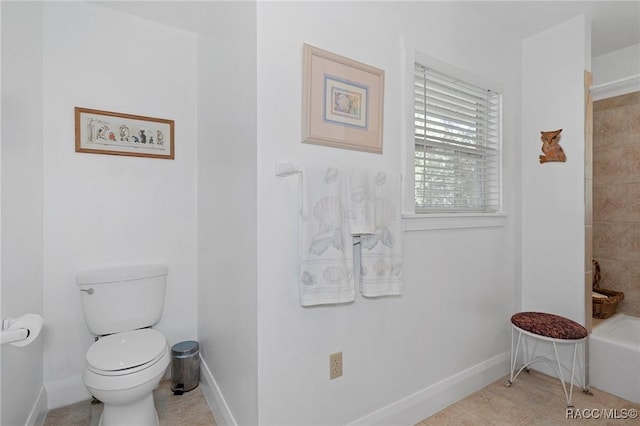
pixel 185 348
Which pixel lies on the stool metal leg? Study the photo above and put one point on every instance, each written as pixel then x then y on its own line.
pixel 530 359
pixel 569 395
pixel 514 357
pixel 564 386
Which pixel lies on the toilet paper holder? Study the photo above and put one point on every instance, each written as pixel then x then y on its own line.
pixel 20 331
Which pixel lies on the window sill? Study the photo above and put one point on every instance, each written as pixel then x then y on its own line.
pixel 430 222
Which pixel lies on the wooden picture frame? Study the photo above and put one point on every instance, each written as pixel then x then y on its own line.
pixel 106 132
pixel 343 102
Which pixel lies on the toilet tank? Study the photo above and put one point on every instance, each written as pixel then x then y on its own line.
pixel 122 298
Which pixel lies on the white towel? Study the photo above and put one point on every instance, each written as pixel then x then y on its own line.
pixel 381 271
pixel 337 205
pixel 326 250
pixel 361 198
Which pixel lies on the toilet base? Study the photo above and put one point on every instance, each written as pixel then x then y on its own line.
pixel 139 413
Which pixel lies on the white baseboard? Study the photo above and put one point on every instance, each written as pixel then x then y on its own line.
pixel 409 410
pixel 422 404
pixel 39 411
pixel 66 391
pixel 214 397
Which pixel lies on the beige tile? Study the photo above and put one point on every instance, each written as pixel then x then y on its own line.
pixel 616 195
pixel 192 410
pixel 96 412
pixel 455 416
pixel 630 307
pixel 617 241
pixel 556 415
pixel 616 202
pixel 617 101
pixel 533 399
pixel 495 408
pixel 616 126
pixel 524 390
pixel 617 164
pixel 71 415
pixel 189 409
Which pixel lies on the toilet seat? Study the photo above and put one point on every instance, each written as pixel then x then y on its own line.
pixel 126 353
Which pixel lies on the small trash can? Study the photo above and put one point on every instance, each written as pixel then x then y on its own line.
pixel 185 366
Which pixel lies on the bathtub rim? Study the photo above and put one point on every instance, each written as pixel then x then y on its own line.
pixel 599 331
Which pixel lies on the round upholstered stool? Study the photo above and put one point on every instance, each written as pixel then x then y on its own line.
pixel 556 329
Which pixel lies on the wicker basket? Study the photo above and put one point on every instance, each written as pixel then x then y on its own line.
pixel 605 307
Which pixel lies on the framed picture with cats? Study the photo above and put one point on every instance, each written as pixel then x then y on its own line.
pixel 106 132
pixel 342 102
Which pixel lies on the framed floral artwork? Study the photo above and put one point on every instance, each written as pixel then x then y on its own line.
pixel 106 132
pixel 342 102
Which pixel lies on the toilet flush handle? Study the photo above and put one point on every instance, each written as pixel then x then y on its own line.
pixel 88 291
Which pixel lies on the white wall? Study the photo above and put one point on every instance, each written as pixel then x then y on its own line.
pixel 553 207
pixel 22 396
pixel 616 65
pixel 218 215
pixel 227 211
pixel 460 285
pixel 105 209
pixel 616 73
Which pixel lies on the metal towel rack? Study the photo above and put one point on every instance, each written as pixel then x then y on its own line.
pixel 286 169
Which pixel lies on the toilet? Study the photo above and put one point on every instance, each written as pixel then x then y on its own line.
pixel 128 359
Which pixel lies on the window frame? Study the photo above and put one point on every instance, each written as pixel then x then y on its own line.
pixel 428 220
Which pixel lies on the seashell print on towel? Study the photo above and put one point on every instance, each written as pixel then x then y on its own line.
pixel 336 275
pixel 329 213
pixel 308 278
pixel 381 267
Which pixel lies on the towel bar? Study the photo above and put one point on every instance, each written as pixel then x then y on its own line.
pixel 286 169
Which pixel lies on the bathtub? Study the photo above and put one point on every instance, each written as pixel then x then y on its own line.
pixel 614 357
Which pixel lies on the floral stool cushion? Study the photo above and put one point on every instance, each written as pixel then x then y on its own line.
pixel 549 325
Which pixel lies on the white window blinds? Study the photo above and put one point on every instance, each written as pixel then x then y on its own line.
pixel 457 158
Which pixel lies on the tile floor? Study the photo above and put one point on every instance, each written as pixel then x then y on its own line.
pixel 190 409
pixel 534 399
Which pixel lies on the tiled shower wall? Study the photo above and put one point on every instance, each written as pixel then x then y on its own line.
pixel 616 196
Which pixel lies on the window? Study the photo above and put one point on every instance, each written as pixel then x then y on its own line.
pixel 457 141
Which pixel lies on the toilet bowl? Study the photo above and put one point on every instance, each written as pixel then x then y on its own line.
pixel 122 370
pixel 128 360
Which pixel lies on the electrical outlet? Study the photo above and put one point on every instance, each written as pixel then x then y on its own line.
pixel 335 365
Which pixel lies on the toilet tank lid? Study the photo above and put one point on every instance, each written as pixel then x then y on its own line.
pixel 120 273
